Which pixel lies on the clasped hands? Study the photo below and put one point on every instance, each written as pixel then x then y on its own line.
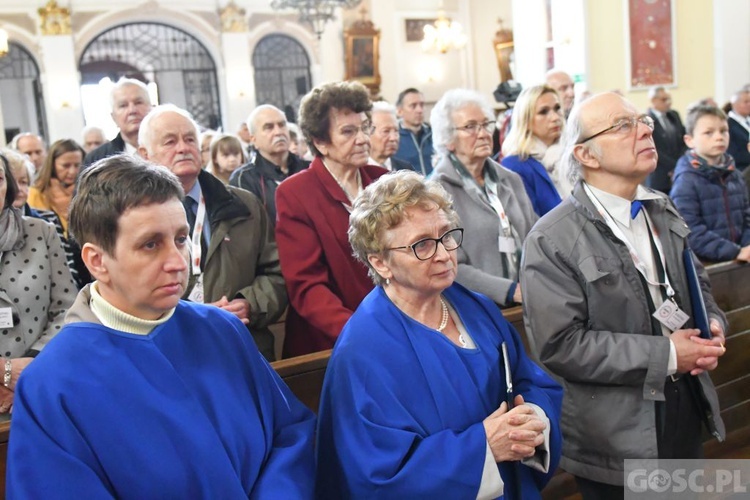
pixel 515 434
pixel 239 307
pixel 696 354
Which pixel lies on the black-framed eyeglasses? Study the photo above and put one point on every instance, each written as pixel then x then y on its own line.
pixel 624 126
pixel 426 248
pixel 474 128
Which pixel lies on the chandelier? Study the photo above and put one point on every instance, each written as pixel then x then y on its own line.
pixel 443 36
pixel 316 13
pixel 3 43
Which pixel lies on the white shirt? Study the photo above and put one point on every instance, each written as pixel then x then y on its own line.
pixel 637 233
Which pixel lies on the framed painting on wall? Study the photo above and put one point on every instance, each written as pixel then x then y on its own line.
pixel 363 55
pixel 651 29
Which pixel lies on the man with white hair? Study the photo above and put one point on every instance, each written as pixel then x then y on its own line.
pixel 269 134
pixel 563 84
pixel 91 138
pixel 130 103
pixel 739 129
pixel 610 286
pixel 384 138
pixel 235 264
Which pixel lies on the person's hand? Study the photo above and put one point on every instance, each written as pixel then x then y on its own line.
pixel 17 366
pixel 696 354
pixel 239 307
pixel 744 255
pixel 6 399
pixel 515 434
pixel 517 295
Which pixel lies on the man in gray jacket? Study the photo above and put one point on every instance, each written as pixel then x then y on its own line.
pixel 596 269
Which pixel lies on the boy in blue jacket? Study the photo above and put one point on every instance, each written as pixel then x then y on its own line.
pixel 710 192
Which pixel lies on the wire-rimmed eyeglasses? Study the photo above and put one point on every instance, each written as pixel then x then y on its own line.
pixel 474 128
pixel 624 126
pixel 426 248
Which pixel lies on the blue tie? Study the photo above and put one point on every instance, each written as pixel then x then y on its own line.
pixel 635 207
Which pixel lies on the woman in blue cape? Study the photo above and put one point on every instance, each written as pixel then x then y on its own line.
pixel 413 403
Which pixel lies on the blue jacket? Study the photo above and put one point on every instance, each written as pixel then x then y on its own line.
pixel 714 203
pixel 542 192
pixel 418 153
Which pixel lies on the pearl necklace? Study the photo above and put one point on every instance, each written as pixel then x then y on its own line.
pixel 444 322
pixel 444 319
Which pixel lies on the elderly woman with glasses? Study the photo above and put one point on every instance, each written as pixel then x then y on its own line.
pixel 325 283
pixel 490 199
pixel 532 147
pixel 416 394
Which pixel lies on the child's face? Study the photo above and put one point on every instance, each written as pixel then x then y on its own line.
pixel 710 138
pixel 228 162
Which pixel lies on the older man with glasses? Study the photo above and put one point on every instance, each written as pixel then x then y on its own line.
pixel 384 138
pixel 612 306
pixel 490 199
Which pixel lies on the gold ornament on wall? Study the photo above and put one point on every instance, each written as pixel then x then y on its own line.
pixel 362 46
pixel 233 18
pixel 54 20
pixel 503 43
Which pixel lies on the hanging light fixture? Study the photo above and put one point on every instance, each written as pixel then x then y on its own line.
pixel 316 13
pixel 3 43
pixel 444 35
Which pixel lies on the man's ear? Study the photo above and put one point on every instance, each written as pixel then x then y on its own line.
pixel 585 156
pixel 142 151
pixel 94 258
pixel 381 267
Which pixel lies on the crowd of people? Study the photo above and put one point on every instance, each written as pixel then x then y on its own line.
pixel 170 251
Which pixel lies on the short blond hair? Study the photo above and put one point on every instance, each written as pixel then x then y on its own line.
pixel 383 204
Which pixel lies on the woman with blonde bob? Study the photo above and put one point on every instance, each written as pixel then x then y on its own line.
pixel 413 399
pixel 490 199
pixel 532 147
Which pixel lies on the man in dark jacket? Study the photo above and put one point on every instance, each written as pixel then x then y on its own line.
pixel 235 264
pixel 269 135
pixel 415 144
pixel 739 129
pixel 668 136
pixel 596 269
pixel 130 103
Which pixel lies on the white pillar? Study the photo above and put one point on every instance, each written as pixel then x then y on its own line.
pixel 731 40
pixel 240 85
pixel 61 87
pixel 529 41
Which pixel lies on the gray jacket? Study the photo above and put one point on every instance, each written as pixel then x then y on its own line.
pixel 479 261
pixel 36 285
pixel 588 321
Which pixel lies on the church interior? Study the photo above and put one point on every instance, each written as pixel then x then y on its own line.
pixel 220 59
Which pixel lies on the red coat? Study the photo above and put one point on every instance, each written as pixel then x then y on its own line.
pixel 324 281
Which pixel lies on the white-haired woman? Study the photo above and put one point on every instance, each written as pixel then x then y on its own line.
pixel 532 150
pixel 491 200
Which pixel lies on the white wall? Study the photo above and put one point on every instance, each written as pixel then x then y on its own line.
pixel 730 49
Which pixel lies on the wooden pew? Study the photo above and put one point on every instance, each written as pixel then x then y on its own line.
pixel 731 289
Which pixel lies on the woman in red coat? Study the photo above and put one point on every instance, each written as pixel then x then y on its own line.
pixel 324 281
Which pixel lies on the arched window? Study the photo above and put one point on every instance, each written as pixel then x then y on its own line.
pixel 282 73
pixel 21 93
pixel 180 66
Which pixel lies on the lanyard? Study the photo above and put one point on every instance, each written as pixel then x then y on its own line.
pixel 195 239
pixel 660 281
pixel 497 205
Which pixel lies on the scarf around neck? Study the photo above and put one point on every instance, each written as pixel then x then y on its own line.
pixel 725 166
pixel 11 230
